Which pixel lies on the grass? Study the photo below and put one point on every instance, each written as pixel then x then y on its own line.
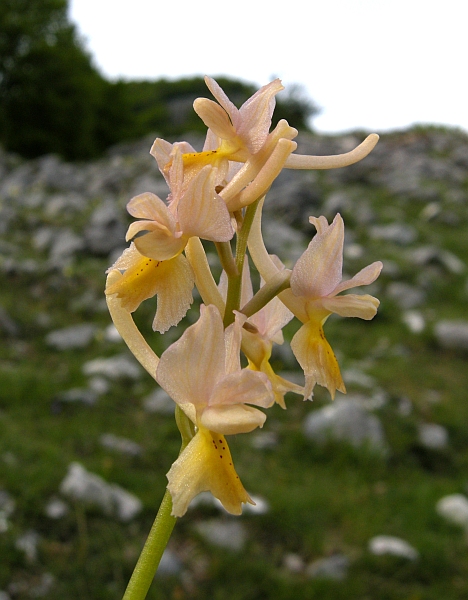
pixel 322 501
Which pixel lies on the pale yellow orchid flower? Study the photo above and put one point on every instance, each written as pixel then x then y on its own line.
pixel 202 374
pixel 198 212
pixel 154 265
pixel 139 277
pixel 313 297
pixel 241 137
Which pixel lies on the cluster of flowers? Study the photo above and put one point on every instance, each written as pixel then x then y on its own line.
pixel 217 195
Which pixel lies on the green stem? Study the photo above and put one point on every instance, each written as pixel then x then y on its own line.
pixel 235 280
pixel 226 258
pixel 277 284
pixel 152 552
pixel 161 530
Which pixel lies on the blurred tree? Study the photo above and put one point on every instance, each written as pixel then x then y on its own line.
pixel 52 99
pixel 165 106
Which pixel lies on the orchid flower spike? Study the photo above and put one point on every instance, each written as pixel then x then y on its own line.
pixel 202 374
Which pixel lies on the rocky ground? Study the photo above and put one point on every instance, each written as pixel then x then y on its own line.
pixel 362 498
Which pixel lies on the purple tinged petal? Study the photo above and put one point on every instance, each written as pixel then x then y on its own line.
pixel 256 115
pixel 214 117
pixel 365 276
pixel 245 387
pixel 318 271
pixel 202 212
pixel 190 369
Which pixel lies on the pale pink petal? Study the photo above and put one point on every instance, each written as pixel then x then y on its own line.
pixel 244 387
pixel 191 367
pixel 151 207
pixel 271 319
pixel 145 225
pixel 174 291
pixel 202 212
pixel 365 276
pixel 318 271
pixel 214 117
pixel 256 115
pixel 230 420
pixel 352 305
pixel 160 246
pixel 320 223
pixel 221 97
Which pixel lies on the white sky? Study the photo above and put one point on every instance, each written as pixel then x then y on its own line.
pixel 367 63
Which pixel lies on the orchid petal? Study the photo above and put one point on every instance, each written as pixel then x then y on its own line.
pixel 317 359
pixel 174 291
pixel 158 245
pixel 256 115
pixel 139 281
pixel 151 207
pixel 365 276
pixel 206 465
pixel 230 420
pixel 191 367
pixel 221 97
pixel 318 270
pixel 245 387
pixel 202 212
pixel 214 117
pixel 352 305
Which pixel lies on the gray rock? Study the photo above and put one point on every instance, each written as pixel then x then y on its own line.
pixel 332 567
pixel 399 233
pixel 106 230
pixel 92 490
pixel 405 295
pixel 433 436
pixel 116 367
pixel 7 325
pixel 230 535
pixel 427 255
pixel 170 564
pixel 76 336
pixel 65 244
pixel 7 508
pixel 264 440
pixel 345 420
pixel 56 508
pixel 112 335
pixel 27 543
pixel 120 445
pixel 386 544
pixel 293 563
pixel 452 335
pixel 454 508
pixel 414 320
pixel 83 395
